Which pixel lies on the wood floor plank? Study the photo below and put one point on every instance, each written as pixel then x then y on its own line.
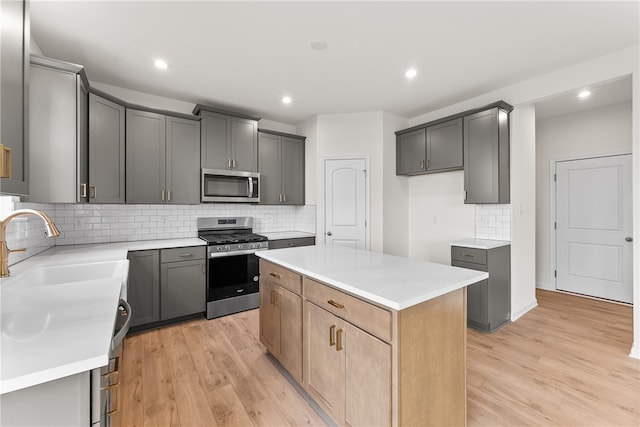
pixel 160 407
pixel 565 363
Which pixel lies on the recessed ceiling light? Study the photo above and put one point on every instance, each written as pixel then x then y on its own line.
pixel 584 94
pixel 411 73
pixel 161 64
pixel 319 45
pixel 286 99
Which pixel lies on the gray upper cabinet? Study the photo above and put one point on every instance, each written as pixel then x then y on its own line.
pixel 435 148
pixel 14 107
pixel 145 157
pixel 486 157
pixel 162 158
pixel 58 132
pixel 411 153
pixel 444 146
pixel 281 167
pixel 106 151
pixel 228 142
pixel 183 161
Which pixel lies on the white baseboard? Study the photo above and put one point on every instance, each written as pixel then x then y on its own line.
pixel 635 351
pixel 545 286
pixel 518 314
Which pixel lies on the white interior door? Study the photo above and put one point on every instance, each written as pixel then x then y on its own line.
pixel 345 202
pixel 594 227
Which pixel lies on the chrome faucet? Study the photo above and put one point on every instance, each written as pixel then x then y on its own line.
pixel 50 229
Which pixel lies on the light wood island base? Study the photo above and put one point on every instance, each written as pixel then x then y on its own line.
pixel 363 363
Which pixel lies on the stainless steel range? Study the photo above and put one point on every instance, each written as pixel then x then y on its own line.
pixel 232 269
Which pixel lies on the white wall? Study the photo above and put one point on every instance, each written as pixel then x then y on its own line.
pixel 599 131
pixel 608 67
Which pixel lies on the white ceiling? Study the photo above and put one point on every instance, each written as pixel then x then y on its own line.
pixel 247 55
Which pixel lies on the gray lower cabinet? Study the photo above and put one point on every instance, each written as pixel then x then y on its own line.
pixel 486 157
pixel 106 151
pixel 162 158
pixel 58 132
pixel 488 301
pixel 14 105
pixel 281 167
pixel 182 282
pixel 143 287
pixel 166 284
pixel 292 243
pixel 434 148
pixel 228 142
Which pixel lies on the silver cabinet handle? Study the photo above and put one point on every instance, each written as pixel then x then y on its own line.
pixel 629 239
pixel 185 255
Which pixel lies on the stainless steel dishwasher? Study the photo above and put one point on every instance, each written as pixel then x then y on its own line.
pixel 105 380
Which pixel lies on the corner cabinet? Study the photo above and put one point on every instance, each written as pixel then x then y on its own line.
pixel 14 108
pixel 434 148
pixel 281 165
pixel 162 158
pixel 106 150
pixel 228 142
pixel 486 157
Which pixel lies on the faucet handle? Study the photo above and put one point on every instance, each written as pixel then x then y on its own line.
pixel 17 250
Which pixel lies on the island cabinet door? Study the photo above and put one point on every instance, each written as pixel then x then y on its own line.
pixel 367 379
pixel 290 307
pixel 269 318
pixel 324 359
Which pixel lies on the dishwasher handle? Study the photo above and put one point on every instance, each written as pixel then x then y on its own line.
pixel 124 309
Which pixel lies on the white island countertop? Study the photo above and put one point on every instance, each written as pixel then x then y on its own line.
pixel 56 330
pixel 393 282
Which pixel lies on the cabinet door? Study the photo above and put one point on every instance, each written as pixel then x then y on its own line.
pixel 270 168
pixel 145 157
pixel 215 140
pixel 477 304
pixel 183 161
pixel 269 318
pixel 367 379
pixel 244 144
pixel 324 364
pixel 411 152
pixel 290 307
pixel 14 108
pixel 106 151
pixel 182 288
pixel 481 167
pixel 293 171
pixel 82 122
pixel 444 146
pixel 143 287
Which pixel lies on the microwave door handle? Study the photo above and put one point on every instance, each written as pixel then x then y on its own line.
pixel 250 187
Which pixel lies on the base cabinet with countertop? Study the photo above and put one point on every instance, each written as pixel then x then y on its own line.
pixel 366 364
pixel 488 301
pixel 166 284
pixel 291 242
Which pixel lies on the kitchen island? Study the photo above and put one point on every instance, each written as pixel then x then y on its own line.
pixel 374 339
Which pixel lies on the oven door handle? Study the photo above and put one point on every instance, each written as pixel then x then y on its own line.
pixel 250 194
pixel 234 253
pixel 119 337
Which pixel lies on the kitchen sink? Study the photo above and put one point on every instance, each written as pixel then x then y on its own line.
pixel 70 273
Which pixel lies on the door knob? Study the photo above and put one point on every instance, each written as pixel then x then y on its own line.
pixel 629 239
pixel 329 233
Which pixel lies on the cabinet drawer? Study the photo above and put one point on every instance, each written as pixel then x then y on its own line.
pixel 364 315
pixel 182 254
pixel 292 243
pixel 281 276
pixel 476 256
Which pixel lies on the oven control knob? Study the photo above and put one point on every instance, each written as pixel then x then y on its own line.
pixel 252 245
pixel 240 246
pixel 227 248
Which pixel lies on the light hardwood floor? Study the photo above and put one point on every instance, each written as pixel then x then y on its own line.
pixel 563 363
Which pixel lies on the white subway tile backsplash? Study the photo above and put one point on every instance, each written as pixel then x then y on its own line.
pixel 493 222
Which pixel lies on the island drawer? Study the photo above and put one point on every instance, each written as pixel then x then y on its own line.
pixel 281 276
pixel 476 256
pixel 364 315
pixel 182 254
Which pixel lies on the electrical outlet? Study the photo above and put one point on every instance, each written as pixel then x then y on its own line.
pixel 79 222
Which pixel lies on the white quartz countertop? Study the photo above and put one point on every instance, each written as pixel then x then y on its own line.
pixel 55 330
pixel 480 243
pixel 280 235
pixel 393 282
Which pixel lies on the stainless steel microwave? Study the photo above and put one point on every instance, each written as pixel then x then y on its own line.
pixel 230 186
